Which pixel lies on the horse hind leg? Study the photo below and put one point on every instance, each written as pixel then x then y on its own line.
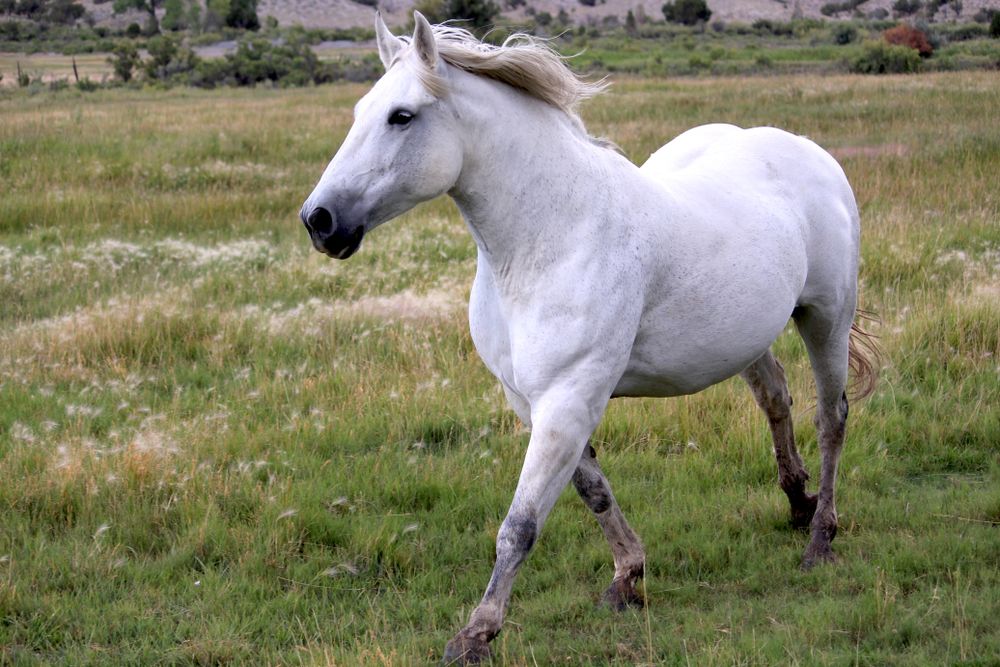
pixel 827 338
pixel 629 556
pixel 766 379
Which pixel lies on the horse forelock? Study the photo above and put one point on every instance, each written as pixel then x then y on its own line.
pixel 522 62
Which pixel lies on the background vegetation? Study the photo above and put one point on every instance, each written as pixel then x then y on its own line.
pixel 220 447
pixel 224 42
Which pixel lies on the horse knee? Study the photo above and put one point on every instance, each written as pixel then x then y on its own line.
pixel 590 483
pixel 593 491
pixel 515 538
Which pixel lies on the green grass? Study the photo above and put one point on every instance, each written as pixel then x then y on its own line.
pixel 220 447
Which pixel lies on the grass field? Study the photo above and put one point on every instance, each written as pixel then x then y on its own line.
pixel 219 447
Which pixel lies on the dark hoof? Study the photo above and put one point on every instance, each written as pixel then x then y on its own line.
pixel 462 650
pixel 622 594
pixel 803 509
pixel 816 554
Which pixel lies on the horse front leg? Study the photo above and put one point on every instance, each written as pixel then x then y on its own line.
pixel 626 547
pixel 559 434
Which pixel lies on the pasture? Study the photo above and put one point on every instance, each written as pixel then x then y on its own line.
pixel 219 447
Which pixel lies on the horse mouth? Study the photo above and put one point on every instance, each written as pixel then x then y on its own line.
pixel 340 246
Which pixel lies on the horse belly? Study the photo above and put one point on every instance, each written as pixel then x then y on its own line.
pixel 705 324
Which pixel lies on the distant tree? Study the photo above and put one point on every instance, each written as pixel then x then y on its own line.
pixel 687 12
pixel 631 27
pixel 63 11
pixel 193 15
pixel 215 14
pixel 161 50
pixel 124 59
pixel 148 6
pixel 907 7
pixel 243 14
pixel 479 13
pixel 995 26
pixel 174 16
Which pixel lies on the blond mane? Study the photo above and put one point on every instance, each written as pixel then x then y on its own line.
pixel 522 61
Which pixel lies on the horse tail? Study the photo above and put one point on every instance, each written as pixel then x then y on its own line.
pixel 864 356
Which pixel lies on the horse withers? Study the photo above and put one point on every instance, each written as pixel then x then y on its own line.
pixel 596 278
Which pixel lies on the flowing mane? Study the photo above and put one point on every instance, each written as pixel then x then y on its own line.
pixel 522 61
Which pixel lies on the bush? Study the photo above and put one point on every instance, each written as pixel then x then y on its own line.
pixel 834 8
pixel 963 32
pixel 907 7
pixel 243 14
pixel 769 27
pixel 995 26
pixel 123 60
pixel 844 33
pixel 910 37
pixel 880 57
pixel 480 13
pixel 687 12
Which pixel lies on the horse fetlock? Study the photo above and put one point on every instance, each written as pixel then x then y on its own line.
pixel 823 530
pixel 466 649
pixel 818 551
pixel 623 591
pixel 803 508
pixel 622 594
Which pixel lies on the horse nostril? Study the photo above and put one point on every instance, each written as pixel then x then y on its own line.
pixel 320 221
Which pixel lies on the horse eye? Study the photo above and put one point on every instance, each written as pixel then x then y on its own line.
pixel 400 117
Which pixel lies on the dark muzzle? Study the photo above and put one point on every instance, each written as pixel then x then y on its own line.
pixel 330 238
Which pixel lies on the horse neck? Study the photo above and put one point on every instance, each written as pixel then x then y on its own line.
pixel 529 170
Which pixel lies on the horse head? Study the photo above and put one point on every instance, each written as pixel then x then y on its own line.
pixel 403 148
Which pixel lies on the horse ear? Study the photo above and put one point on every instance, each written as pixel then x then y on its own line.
pixel 388 44
pixel 423 40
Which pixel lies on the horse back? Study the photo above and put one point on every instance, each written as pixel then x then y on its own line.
pixel 772 179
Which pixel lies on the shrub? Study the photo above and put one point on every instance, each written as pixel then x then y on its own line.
pixel 480 13
pixel 174 16
pixel 243 14
pixel 910 37
pixel 880 57
pixel 123 60
pixel 687 12
pixel 907 7
pixel 834 8
pixel 769 27
pixel 844 33
pixel 995 26
pixel 963 32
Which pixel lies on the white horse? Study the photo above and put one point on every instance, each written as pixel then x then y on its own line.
pixel 597 278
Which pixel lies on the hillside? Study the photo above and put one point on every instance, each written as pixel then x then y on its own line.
pixel 348 13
